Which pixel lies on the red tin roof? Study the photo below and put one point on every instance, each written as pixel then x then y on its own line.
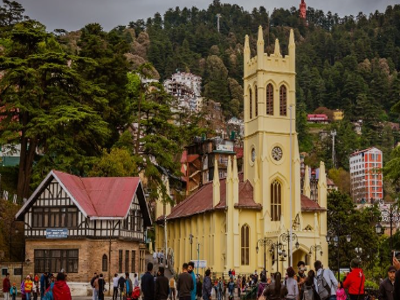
pixel 97 197
pixel 308 205
pixel 202 200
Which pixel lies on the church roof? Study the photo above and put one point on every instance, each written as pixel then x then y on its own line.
pixel 202 200
pixel 309 205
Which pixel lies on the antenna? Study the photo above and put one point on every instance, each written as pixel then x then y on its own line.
pixel 218 17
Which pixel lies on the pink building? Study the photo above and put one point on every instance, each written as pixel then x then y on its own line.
pixel 366 176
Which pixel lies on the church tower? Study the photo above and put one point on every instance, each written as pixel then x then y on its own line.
pixel 270 141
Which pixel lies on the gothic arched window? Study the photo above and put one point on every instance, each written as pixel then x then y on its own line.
pixel 251 103
pixel 283 101
pixel 276 201
pixel 256 96
pixel 245 245
pixel 270 99
pixel 104 264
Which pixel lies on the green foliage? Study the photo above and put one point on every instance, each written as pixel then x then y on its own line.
pixel 344 220
pixel 116 163
pixel 45 99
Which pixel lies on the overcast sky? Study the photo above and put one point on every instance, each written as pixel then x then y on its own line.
pixel 74 14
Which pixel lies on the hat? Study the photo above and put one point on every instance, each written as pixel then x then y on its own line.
pixel 355 263
pixel 391 269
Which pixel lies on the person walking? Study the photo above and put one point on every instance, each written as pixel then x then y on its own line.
pixel 155 257
pixel 172 288
pixel 94 295
pixel 128 285
pixel 329 278
pixel 199 288
pixel 101 286
pixel 261 286
pixel 191 273
pixel 386 288
pixel 28 284
pixel 185 284
pixel 147 283
pixel 231 288
pixel 61 289
pixel 207 285
pixel 121 284
pixel 239 285
pixel 135 281
pixel 43 284
pixel 6 287
pixel 276 291
pixel 35 288
pixel 355 280
pixel 161 286
pixel 340 292
pixel 13 291
pixel 291 285
pixel 115 286
pixel 308 290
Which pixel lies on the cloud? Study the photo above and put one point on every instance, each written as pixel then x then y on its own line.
pixel 74 14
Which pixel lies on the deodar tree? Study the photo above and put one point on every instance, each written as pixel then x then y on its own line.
pixel 47 107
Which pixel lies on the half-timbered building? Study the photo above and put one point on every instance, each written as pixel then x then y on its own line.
pixel 86 225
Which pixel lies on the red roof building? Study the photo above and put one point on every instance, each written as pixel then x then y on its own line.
pixel 69 219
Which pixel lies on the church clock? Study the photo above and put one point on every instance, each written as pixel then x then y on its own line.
pixel 277 153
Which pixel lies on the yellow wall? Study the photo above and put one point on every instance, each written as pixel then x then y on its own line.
pixel 219 232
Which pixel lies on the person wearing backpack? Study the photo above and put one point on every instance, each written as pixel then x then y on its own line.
pixel 325 282
pixel 355 280
pixel 308 291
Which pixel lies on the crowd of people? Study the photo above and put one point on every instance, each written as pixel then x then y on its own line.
pixel 46 286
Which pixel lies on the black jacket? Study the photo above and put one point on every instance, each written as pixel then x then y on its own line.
pixel 121 282
pixel 185 285
pixel 396 292
pixel 147 286
pixel 386 289
pixel 162 288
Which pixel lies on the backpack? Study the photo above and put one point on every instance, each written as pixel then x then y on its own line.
pixel 324 290
pixel 308 293
pixel 49 294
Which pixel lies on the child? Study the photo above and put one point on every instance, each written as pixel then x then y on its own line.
pixel 340 292
pixel 13 291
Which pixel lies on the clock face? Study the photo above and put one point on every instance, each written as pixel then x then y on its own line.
pixel 253 155
pixel 277 153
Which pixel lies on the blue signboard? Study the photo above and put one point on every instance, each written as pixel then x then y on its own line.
pixel 59 233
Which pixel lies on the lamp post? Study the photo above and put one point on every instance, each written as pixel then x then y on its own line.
pixel 191 244
pixel 289 237
pixel 334 238
pixel 264 242
pixel 314 249
pixel 280 252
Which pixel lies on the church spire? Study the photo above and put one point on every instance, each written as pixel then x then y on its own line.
pixel 216 184
pixel 306 187
pixel 277 51
pixel 260 43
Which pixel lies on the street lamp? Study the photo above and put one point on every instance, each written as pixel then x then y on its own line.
pixel 334 239
pixel 280 252
pixel 314 249
pixel 191 244
pixel 264 242
pixel 288 237
pixel 359 251
pixel 379 229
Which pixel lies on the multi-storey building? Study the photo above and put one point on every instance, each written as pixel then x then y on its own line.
pixel 365 175
pixel 187 88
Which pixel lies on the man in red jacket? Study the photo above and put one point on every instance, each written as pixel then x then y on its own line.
pixel 6 286
pixel 354 282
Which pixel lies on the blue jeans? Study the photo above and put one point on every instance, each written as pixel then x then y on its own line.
pixel 332 297
pixel 27 296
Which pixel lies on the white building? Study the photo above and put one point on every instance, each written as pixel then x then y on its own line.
pixel 187 88
pixel 366 176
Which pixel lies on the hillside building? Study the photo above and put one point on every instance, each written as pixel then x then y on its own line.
pixel 85 225
pixel 186 87
pixel 252 219
pixel 338 115
pixel 365 175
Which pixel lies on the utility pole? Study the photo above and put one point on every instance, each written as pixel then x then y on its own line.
pixel 333 134
pixel 218 17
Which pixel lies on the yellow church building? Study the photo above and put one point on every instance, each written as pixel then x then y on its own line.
pixel 251 219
